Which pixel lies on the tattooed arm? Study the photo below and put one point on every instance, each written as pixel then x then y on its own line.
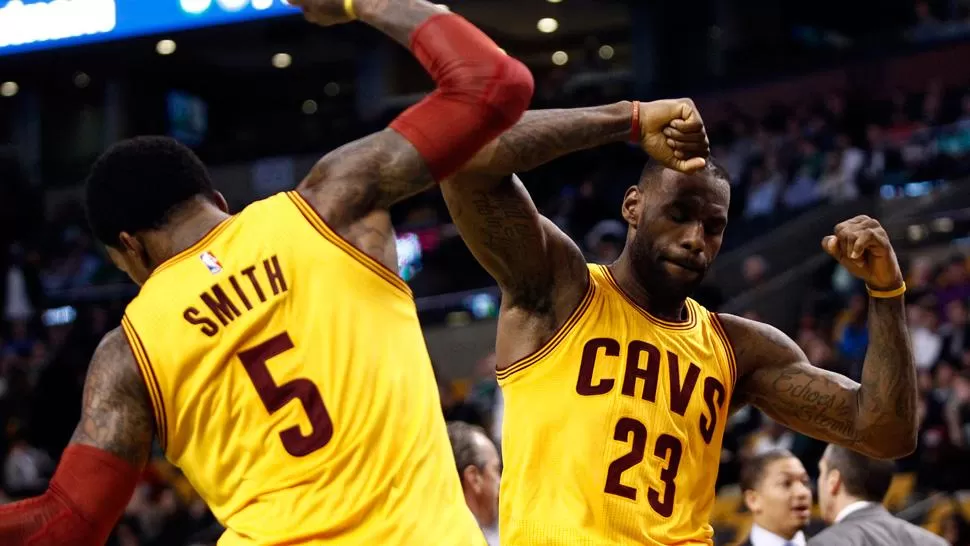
pixel 99 469
pixel 541 272
pixel 481 92
pixel 878 417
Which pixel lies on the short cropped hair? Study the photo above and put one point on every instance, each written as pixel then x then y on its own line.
pixel 467 453
pixel 137 184
pixel 753 470
pixel 652 170
pixel 865 478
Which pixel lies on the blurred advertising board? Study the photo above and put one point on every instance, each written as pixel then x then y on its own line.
pixel 30 25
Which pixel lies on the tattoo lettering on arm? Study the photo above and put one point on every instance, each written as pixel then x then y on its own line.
pixel 116 413
pixel 776 377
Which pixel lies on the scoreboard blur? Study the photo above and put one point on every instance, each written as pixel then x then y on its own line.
pixel 29 25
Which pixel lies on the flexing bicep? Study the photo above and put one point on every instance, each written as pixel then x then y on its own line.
pixel 534 262
pixel 116 414
pixel 777 378
pixel 365 175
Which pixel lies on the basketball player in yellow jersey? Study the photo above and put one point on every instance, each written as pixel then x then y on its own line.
pixel 276 354
pixel 617 385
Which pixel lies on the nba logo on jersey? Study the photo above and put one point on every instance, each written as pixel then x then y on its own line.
pixel 211 262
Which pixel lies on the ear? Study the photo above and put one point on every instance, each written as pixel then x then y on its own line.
pixel 753 501
pixel 129 244
pixel 471 478
pixel 632 203
pixel 834 479
pixel 220 201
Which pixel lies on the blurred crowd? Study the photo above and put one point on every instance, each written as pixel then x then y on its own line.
pixel 795 158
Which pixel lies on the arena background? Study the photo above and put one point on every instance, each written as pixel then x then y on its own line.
pixel 819 110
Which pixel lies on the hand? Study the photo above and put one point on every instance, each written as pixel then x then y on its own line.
pixel 862 246
pixel 673 133
pixel 325 12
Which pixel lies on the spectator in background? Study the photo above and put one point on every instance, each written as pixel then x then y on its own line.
pixel 26 469
pixel 835 185
pixel 754 269
pixel 762 194
pixel 954 283
pixel 480 472
pixel 927 343
pixel 955 334
pixel 850 492
pixel 851 334
pixel 802 192
pixel 777 491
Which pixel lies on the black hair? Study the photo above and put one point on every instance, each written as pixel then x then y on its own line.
pixel 753 470
pixel 137 183
pixel 653 169
pixel 863 477
pixel 467 453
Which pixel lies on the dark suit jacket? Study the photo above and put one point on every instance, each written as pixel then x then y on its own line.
pixel 874 526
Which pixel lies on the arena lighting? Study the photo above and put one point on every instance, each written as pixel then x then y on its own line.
pixel 943 225
pixel 282 60
pixel 26 23
pixel 560 58
pixel 81 80
pixel 547 25
pixel 165 47
pixel 606 52
pixel 332 89
pixel 309 107
pixel 554 1
pixel 9 89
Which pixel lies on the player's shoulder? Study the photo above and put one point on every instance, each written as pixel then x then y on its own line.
pixel 755 342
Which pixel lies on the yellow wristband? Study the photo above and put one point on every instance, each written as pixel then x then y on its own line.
pixel 886 294
pixel 349 9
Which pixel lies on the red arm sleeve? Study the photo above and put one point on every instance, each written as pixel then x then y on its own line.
pixel 85 499
pixel 481 93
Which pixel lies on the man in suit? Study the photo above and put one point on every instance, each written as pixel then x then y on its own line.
pixel 850 492
pixel 777 491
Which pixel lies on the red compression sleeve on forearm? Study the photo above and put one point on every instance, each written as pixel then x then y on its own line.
pixel 481 93
pixel 85 499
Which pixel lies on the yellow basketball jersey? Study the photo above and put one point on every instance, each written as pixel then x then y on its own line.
pixel 292 386
pixel 613 429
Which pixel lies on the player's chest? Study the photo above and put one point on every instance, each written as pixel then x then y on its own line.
pixel 648 375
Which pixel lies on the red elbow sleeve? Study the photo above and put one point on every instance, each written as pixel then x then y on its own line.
pixel 86 497
pixel 481 93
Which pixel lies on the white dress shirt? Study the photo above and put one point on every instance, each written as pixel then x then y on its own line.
pixel 762 537
pixel 854 507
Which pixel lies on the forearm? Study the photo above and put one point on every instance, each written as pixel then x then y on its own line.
pixel 86 498
pixel 887 397
pixel 542 136
pixel 396 19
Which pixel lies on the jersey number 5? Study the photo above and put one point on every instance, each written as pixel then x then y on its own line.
pixel 668 449
pixel 275 396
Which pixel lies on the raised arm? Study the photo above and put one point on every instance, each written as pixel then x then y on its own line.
pixel 541 271
pixel 480 92
pixel 99 469
pixel 877 417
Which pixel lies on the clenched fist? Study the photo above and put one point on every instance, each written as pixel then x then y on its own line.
pixel 673 133
pixel 326 12
pixel 862 246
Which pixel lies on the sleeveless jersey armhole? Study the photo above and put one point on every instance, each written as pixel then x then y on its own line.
pixel 318 223
pixel 506 374
pixel 149 378
pixel 728 348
